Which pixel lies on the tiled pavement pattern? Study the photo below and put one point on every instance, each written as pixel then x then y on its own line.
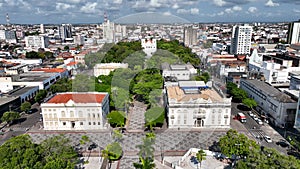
pixel 136 116
pixel 168 140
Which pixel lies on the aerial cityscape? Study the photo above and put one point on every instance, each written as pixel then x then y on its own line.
pixel 147 84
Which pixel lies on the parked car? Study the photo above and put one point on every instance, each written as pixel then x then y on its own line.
pixel 282 143
pixel 251 114
pixel 268 139
pixel 92 146
pixel 255 118
pixel 259 121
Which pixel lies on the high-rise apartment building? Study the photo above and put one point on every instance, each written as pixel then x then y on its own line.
pixel 241 40
pixel 8 36
pixel 42 29
pixel 294 33
pixel 108 31
pixel 37 41
pixel 65 31
pixel 190 36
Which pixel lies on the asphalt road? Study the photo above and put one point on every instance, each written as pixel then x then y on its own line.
pixel 256 130
pixel 21 127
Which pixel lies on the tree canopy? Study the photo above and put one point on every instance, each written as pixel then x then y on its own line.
pixel 252 155
pixel 116 118
pixel 10 116
pixel 250 103
pixel 40 95
pixel 26 106
pixel 21 152
pixel 154 116
pixel 146 153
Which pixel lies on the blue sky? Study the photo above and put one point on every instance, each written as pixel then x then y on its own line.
pixel 92 11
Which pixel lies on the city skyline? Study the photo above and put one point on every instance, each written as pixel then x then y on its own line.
pixel 83 11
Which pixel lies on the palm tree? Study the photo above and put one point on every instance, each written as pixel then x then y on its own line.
pixel 200 156
pixel 146 153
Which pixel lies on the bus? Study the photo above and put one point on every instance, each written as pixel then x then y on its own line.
pixel 241 117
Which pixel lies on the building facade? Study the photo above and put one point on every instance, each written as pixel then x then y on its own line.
pixel 180 72
pixel 106 68
pixel 65 31
pixel 37 41
pixel 108 31
pixel 294 33
pixel 190 36
pixel 76 111
pixel 272 103
pixel 241 39
pixel 149 45
pixel 193 105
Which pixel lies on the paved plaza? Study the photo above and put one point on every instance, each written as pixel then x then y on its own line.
pixel 167 141
pixel 136 117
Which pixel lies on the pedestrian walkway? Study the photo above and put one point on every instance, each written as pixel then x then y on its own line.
pixel 137 117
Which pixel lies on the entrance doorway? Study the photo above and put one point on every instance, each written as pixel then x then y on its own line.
pixel 199 122
pixel 73 124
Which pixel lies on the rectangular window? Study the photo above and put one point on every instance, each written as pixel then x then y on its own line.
pixel 98 123
pixel 94 123
pixel 90 123
pixel 64 123
pixel 81 123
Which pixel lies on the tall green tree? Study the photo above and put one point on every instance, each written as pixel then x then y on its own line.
pixel 112 152
pixel 20 152
pixel 250 103
pixel 146 153
pixel 239 94
pixel 154 117
pixel 116 118
pixel 26 106
pixel 200 156
pixel 235 144
pixel 40 95
pixel 10 116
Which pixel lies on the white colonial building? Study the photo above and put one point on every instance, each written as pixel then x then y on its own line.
pixel 149 46
pixel 191 104
pixel 106 68
pixel 76 111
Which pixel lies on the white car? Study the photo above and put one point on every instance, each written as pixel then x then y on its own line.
pixel 255 118
pixel 259 121
pixel 251 114
pixel 268 139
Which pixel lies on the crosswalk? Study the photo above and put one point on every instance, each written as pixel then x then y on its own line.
pixel 257 133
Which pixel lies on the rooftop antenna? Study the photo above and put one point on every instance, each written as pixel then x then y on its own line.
pixel 7 19
pixel 105 17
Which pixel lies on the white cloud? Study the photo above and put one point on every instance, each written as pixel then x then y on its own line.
pixel 252 9
pixel 89 8
pixel 296 10
pixel 219 2
pixel 63 6
pixel 233 9
pixel 175 6
pixel 182 11
pixel 168 13
pixel 73 1
pixel 117 1
pixel 228 10
pixel 220 13
pixel 270 3
pixel 192 11
pixel 237 8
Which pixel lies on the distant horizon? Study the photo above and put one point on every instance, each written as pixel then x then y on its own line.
pixel 199 11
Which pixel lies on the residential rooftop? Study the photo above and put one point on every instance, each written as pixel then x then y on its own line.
pixel 175 92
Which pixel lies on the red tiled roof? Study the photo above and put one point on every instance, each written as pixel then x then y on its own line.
pixel 50 70
pixel 77 98
pixel 71 63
